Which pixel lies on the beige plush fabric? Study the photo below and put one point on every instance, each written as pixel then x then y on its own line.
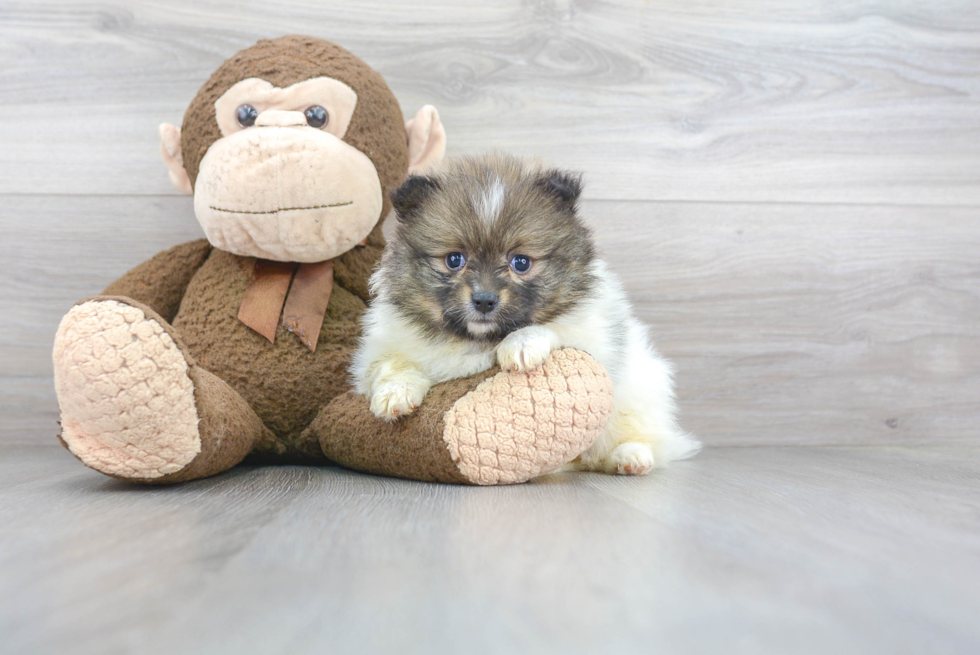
pixel 127 401
pixel 290 194
pixel 174 158
pixel 514 427
pixel 426 139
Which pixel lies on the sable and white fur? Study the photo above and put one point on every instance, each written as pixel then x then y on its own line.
pixel 404 352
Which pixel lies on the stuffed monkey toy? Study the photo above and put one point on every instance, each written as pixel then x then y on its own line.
pixel 238 345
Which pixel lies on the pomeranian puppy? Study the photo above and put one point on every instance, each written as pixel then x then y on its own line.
pixel 490 262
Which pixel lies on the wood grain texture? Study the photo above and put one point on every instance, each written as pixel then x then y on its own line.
pixel 809 323
pixel 742 550
pixel 804 324
pixel 875 101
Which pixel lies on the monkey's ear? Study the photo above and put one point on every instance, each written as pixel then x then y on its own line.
pixel 174 158
pixel 426 139
pixel 409 198
pixel 564 186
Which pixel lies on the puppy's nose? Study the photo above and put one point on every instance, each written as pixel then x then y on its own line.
pixel 485 301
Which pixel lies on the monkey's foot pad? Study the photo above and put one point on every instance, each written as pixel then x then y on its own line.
pixel 127 403
pixel 515 426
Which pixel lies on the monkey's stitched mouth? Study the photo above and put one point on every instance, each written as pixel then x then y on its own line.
pixel 284 209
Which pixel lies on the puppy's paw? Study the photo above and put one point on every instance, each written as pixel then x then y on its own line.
pixel 630 458
pixel 524 349
pixel 393 400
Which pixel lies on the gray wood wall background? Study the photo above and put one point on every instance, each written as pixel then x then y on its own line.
pixel 789 189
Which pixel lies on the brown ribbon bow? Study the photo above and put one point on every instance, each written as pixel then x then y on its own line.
pixel 301 304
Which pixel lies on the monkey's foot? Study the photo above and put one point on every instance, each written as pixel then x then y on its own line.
pixel 126 396
pixel 492 428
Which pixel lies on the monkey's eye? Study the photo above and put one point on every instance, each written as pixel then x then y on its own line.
pixel 520 263
pixel 455 261
pixel 246 115
pixel 316 116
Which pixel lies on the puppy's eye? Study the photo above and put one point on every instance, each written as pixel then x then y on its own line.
pixel 246 115
pixel 316 116
pixel 520 263
pixel 455 261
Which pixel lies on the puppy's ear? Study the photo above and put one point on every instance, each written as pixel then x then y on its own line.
pixel 563 186
pixel 409 198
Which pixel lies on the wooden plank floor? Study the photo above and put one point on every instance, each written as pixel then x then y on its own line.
pixel 743 550
pixel 790 192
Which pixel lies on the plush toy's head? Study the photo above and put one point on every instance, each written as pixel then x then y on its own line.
pixel 289 148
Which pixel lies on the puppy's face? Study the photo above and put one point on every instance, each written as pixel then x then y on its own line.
pixel 486 246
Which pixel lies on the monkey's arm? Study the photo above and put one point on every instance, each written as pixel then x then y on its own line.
pixel 496 427
pixel 160 282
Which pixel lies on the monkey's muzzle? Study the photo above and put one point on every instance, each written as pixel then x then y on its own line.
pixel 286 193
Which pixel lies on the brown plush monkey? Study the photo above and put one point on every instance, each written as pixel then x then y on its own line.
pixel 239 344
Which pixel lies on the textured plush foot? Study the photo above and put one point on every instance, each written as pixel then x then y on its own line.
pixel 516 426
pixel 127 401
pixel 492 428
pixel 630 458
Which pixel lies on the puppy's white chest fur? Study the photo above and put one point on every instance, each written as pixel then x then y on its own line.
pixel 388 336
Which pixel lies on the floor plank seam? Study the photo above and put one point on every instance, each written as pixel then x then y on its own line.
pixel 663 201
